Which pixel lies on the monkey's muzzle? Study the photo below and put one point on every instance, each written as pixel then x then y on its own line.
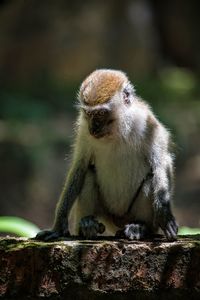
pixel 97 129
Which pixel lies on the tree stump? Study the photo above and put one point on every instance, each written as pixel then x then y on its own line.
pixel 104 268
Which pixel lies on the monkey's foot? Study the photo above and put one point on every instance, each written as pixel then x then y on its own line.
pixel 89 227
pixel 49 235
pixel 135 231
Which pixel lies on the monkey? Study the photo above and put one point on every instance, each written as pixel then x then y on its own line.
pixel 121 177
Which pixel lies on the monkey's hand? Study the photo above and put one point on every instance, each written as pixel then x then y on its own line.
pixel 166 221
pixel 89 227
pixel 52 234
pixel 134 231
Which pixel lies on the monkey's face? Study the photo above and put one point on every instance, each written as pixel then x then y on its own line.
pixel 100 121
pixel 105 99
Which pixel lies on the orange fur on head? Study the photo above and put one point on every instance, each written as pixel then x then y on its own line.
pixel 101 85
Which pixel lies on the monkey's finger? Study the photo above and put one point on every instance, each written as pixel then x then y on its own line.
pixel 170 233
pixel 173 235
pixel 52 236
pixel 173 229
pixel 101 228
pixel 88 232
pixel 167 234
pixel 66 233
pixel 41 235
pixel 174 226
pixel 47 235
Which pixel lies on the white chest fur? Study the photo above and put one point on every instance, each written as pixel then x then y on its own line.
pixel 120 171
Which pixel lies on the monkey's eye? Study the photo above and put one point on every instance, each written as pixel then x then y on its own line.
pixel 87 112
pixel 102 112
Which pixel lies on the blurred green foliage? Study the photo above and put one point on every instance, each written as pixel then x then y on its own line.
pixel 18 226
pixel 187 230
pixel 36 102
pixel 40 101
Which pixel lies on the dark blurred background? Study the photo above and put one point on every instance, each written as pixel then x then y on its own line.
pixel 46 50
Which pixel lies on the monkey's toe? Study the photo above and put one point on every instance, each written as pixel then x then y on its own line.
pixel 89 227
pixel 135 231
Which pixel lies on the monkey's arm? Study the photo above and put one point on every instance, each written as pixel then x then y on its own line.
pixel 162 188
pixel 71 190
pixel 69 194
pixel 163 216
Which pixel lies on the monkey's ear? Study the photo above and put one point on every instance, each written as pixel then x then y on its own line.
pixel 128 92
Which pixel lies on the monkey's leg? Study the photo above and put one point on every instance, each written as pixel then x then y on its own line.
pixel 83 220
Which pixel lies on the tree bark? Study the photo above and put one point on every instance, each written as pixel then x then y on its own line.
pixel 106 268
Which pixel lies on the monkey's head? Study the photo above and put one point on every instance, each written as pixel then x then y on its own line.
pixel 104 96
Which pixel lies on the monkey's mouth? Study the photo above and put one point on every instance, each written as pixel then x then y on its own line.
pixel 99 133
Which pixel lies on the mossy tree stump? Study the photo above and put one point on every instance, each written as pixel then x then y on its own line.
pixel 100 269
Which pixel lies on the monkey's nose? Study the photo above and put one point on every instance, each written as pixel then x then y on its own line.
pixel 96 129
